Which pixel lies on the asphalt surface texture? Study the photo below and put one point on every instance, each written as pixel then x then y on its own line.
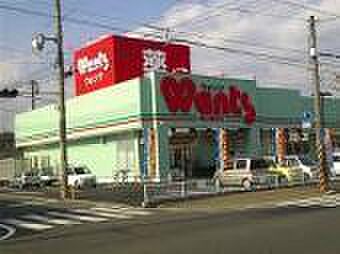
pixel 52 227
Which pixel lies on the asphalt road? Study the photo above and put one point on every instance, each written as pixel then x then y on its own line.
pixel 262 231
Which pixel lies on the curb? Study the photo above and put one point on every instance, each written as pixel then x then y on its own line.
pixel 59 201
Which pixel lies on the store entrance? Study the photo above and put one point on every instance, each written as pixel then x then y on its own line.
pixel 182 154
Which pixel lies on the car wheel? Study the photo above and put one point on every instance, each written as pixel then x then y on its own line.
pixel 306 177
pixel 247 185
pixel 76 185
pixel 218 183
pixel 283 181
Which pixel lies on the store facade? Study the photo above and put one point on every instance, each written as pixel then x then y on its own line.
pixel 160 123
pixel 139 109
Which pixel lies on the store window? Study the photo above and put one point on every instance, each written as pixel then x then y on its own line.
pixel 126 156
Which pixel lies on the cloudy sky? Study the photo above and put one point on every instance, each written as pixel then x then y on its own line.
pixel 266 40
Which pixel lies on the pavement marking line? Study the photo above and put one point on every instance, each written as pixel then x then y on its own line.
pixel 49 220
pixel 125 210
pixel 134 211
pixel 10 231
pixel 114 215
pixel 37 203
pixel 16 205
pixel 77 217
pixel 27 224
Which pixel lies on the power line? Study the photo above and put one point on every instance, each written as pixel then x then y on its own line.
pixel 313 8
pixel 329 54
pixel 251 9
pixel 261 55
pixel 77 21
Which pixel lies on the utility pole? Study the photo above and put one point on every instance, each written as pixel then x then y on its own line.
pixel 313 53
pixel 62 108
pixel 34 89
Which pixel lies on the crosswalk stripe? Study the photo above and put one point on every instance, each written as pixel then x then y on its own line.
pixel 126 211
pixel 114 215
pixel 27 224
pixel 106 209
pixel 135 211
pixel 50 220
pixel 78 217
pixel 17 205
pixel 35 203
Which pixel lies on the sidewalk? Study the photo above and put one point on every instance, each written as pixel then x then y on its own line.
pixel 52 196
pixel 247 200
pixel 236 200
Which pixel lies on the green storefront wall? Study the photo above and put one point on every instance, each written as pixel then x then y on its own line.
pixel 99 123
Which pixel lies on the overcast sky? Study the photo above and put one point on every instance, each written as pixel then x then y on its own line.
pixel 262 39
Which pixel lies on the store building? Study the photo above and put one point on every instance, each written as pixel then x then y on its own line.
pixel 164 121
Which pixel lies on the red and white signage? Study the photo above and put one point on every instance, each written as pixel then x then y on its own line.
pixel 114 59
pixel 183 94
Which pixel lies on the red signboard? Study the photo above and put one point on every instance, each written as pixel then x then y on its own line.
pixel 114 59
pixel 183 94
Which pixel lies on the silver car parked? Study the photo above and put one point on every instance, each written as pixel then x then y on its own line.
pixel 245 172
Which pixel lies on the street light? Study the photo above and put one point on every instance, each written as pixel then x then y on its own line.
pixel 38 44
pixel 39 41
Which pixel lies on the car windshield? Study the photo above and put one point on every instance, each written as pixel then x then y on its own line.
pixel 81 170
pixel 307 161
pixel 336 158
pixel 259 164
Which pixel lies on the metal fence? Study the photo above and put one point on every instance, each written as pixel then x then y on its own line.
pixel 134 190
pixel 156 192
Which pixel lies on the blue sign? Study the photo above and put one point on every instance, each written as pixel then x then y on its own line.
pixel 145 159
pixel 216 149
pixel 307 116
pixel 307 119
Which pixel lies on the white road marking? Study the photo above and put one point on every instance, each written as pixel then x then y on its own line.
pixel 135 211
pixel 114 215
pixel 49 220
pixel 77 217
pixel 106 209
pixel 10 231
pixel 325 201
pixel 27 224
pixel 125 210
pixel 17 205
pixel 34 203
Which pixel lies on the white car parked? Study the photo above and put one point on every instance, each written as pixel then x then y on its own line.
pixel 336 163
pixel 308 166
pixel 80 177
